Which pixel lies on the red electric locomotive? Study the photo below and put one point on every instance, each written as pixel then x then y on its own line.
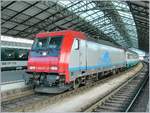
pixel 62 60
pixel 48 61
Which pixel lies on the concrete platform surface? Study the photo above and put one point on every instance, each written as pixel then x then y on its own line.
pixel 12 85
pixel 7 76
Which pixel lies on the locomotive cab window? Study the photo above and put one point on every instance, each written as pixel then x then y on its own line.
pixel 49 45
pixel 40 43
pixel 55 42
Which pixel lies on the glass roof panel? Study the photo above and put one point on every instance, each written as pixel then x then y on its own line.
pixel 128 20
pixel 87 11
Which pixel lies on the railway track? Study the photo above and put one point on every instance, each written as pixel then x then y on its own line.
pixel 122 99
pixel 36 101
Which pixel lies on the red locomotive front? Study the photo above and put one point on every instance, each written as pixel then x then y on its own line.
pixel 48 61
pixel 44 55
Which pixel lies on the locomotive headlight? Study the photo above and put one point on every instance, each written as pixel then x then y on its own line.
pixel 31 67
pixel 44 53
pixel 54 68
pixel 57 77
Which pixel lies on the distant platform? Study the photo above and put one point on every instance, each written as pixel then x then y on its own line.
pixel 7 76
pixel 5 86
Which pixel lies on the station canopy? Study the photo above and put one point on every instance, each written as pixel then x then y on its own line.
pixel 114 21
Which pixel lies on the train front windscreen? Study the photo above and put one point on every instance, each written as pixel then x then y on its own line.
pixel 48 46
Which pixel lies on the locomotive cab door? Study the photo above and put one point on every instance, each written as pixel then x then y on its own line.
pixel 77 63
pixel 82 55
pixel 74 63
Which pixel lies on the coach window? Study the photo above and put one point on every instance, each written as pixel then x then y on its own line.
pixel 2 54
pixel 22 54
pixel 9 54
pixel 76 44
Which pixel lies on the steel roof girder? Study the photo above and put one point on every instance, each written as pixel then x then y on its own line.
pixel 34 25
pixel 68 14
pixel 2 8
pixel 115 19
pixel 22 11
pixel 134 4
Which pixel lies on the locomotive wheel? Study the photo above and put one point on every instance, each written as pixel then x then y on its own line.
pixel 76 84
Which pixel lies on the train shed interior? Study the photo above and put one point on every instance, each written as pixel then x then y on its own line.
pixel 124 24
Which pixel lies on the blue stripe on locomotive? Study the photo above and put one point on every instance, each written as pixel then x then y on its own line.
pixel 92 67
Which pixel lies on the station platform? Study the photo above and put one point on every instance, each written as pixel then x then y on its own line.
pixel 15 75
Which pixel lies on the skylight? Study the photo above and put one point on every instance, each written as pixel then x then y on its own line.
pixel 87 10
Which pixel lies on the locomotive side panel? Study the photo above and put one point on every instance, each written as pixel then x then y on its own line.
pixel 118 58
pixel 91 56
pixel 104 57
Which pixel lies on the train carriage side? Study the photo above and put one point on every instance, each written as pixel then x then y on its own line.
pixel 13 56
pixel 104 57
pixel 132 58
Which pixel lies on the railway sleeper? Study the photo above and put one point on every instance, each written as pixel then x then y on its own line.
pixel 133 89
pixel 124 91
pixel 119 99
pixel 19 104
pixel 122 97
pixel 138 79
pixel 125 94
pixel 127 91
pixel 11 106
pixel 4 109
pixel 115 101
pixel 113 104
pixel 110 108
pixel 134 84
pixel 104 110
pixel 129 87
